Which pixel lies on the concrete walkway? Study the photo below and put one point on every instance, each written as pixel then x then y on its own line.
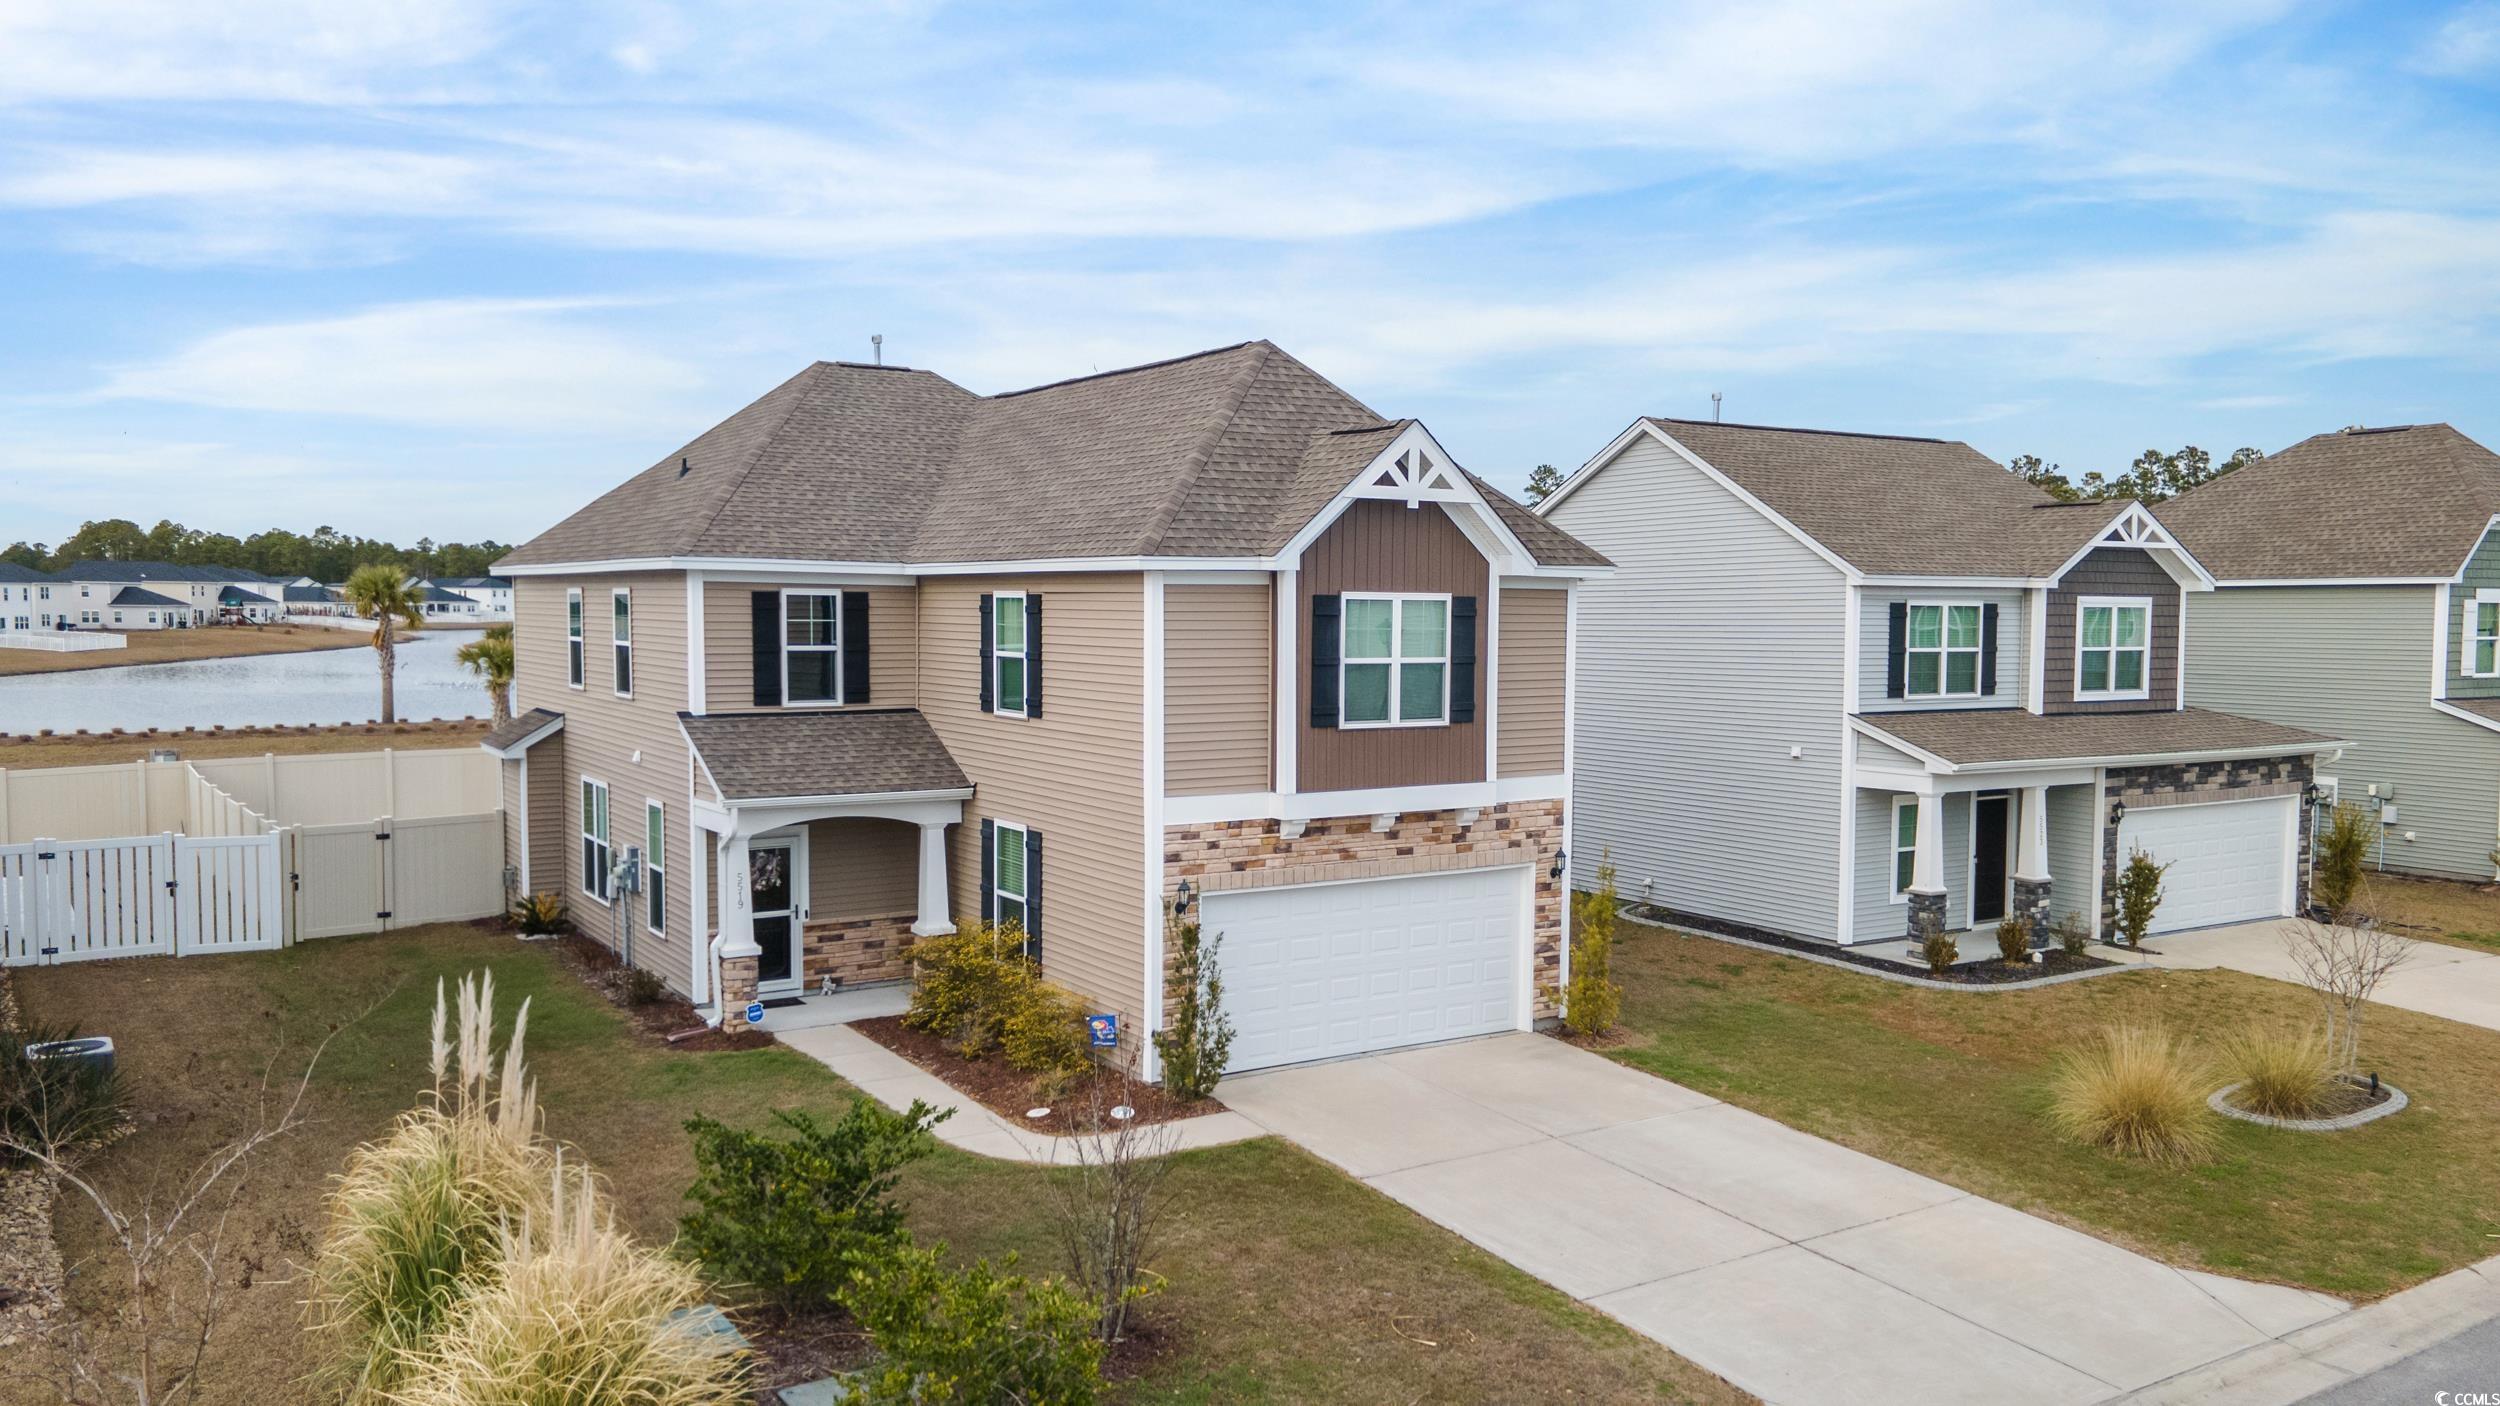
pixel 895 1081
pixel 1794 1267
pixel 2455 983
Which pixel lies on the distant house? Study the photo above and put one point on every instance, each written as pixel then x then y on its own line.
pixel 187 595
pixel 305 596
pixel 138 608
pixel 26 599
pixel 492 594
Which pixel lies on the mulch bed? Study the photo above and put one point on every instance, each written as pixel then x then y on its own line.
pixel 1008 1091
pixel 2347 1096
pixel 602 971
pixel 1990 972
pixel 793 1347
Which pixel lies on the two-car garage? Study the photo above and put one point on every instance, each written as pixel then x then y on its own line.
pixel 1315 971
pixel 2231 861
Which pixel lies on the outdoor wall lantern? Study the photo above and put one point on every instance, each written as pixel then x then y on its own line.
pixel 2313 795
pixel 1556 872
pixel 1180 899
pixel 2117 811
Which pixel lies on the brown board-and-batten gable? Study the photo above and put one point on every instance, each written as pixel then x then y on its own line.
pixel 1387 547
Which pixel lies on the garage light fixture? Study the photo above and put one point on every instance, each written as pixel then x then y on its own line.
pixel 2313 795
pixel 1556 872
pixel 1180 899
pixel 2117 811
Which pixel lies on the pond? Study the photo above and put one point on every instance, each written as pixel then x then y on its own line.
pixel 325 686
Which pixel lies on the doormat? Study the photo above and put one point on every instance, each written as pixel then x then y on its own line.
pixel 783 1003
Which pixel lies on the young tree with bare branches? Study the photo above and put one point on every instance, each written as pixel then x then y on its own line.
pixel 1111 1196
pixel 2343 961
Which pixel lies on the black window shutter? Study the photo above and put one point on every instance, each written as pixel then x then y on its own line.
pixel 854 646
pixel 1988 650
pixel 1033 894
pixel 1324 655
pixel 1033 655
pixel 1897 653
pixel 1463 659
pixel 989 871
pixel 767 609
pixel 989 673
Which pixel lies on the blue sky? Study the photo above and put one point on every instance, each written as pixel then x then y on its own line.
pixel 452 268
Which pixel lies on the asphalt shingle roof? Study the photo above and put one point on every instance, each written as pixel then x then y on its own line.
pixel 236 595
pixel 14 574
pixel 1979 737
pixel 152 571
pixel 514 729
pixel 2405 501
pixel 141 596
pixel 1224 453
pixel 857 752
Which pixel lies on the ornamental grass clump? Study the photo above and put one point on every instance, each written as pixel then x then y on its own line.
pixel 577 1314
pixel 414 1220
pixel 2282 1073
pixel 2139 1092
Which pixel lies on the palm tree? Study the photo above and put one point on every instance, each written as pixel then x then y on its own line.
pixel 385 596
pixel 489 656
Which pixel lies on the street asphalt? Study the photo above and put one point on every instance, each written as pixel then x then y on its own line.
pixel 2463 1371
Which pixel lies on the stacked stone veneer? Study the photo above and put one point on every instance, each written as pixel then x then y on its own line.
pixel 1255 854
pixel 858 950
pixel 2192 783
pixel 737 987
pixel 2031 904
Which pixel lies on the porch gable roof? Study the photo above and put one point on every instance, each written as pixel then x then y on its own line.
pixel 752 757
pixel 1993 738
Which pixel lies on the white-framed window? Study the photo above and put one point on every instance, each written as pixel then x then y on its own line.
pixel 2113 647
pixel 1008 661
pixel 596 855
pixel 655 867
pixel 1008 892
pixel 621 636
pixel 1393 666
pixel 43 593
pixel 811 646
pixel 1904 846
pixel 573 636
pixel 1941 651
pixel 2482 635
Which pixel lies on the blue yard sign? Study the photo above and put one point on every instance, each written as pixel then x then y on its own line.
pixel 755 1013
pixel 1105 1029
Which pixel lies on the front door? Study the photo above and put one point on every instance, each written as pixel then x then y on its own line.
pixel 1991 822
pixel 773 881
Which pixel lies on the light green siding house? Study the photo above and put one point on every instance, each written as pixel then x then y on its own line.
pixel 2359 595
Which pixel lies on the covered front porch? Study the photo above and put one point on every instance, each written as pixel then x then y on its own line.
pixel 821 853
pixel 1960 855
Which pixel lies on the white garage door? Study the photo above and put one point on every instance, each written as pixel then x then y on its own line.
pixel 2232 860
pixel 1320 970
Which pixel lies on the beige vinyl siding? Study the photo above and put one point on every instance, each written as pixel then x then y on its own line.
pixel 1076 773
pixel 729 644
pixel 1535 646
pixel 515 837
pixel 549 838
pixel 859 868
pixel 1875 648
pixel 2354 662
pixel 632 744
pixel 1715 648
pixel 1217 667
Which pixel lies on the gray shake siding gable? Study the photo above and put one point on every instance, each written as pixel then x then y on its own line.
pixel 2482 573
pixel 1717 646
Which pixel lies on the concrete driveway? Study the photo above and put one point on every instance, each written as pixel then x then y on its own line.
pixel 1796 1268
pixel 2455 983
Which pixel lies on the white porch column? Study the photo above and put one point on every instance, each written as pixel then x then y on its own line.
pixel 1927 863
pixel 933 920
pixel 737 901
pixel 2031 843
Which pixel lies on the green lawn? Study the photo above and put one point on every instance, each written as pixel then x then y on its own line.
pixel 1952 1084
pixel 1289 1281
pixel 2439 910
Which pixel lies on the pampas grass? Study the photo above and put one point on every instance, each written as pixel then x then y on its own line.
pixel 415 1220
pixel 2140 1093
pixel 578 1315
pixel 2282 1073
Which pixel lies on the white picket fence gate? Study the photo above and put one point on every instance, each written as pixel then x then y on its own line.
pixel 79 900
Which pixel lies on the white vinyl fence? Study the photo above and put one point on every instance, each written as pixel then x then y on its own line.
pixel 236 879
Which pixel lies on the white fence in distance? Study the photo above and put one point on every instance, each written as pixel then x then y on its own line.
pixel 60 641
pixel 121 799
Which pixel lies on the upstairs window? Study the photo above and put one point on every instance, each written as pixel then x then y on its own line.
pixel 2482 652
pixel 573 637
pixel 811 647
pixel 1395 664
pixel 1943 651
pixel 622 634
pixel 2113 648
pixel 1008 644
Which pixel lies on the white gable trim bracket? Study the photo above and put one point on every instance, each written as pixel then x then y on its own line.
pixel 1414 470
pixel 2136 527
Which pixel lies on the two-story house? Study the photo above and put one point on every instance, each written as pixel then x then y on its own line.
pixel 26 598
pixel 877 653
pixel 1859 687
pixel 2360 595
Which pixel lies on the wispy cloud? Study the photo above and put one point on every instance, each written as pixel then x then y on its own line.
pixel 2465 44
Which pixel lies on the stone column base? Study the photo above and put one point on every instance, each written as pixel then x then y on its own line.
pixel 1926 915
pixel 2031 904
pixel 737 987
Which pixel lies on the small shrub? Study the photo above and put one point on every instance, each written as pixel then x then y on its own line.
pixel 1196 1044
pixel 790 1216
pixel 2140 893
pixel 973 1336
pixel 52 1106
pixel 1592 999
pixel 641 986
pixel 1043 1032
pixel 1939 951
pixel 577 1313
pixel 2074 935
pixel 2281 1073
pixel 2138 1093
pixel 538 914
pixel 2014 939
pixel 966 984
pixel 2342 858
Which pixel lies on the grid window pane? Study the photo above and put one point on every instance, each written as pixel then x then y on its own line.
pixel 1905 826
pixel 2487 657
pixel 1926 671
pixel 1009 611
pixel 809 619
pixel 1010 860
pixel 654 835
pixel 1961 673
pixel 1424 629
pixel 2130 670
pixel 2131 628
pixel 812 675
pixel 2095 673
pixel 1010 910
pixel 1904 869
pixel 1011 685
pixel 2487 617
pixel 1366 693
pixel 2096 627
pixel 1926 626
pixel 1962 627
pixel 1367 628
pixel 1419 692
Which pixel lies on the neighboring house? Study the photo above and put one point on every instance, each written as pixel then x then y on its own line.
pixel 26 599
pixel 305 596
pixel 187 595
pixel 236 605
pixel 878 654
pixel 1857 687
pixel 138 608
pixel 2360 595
pixel 491 595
